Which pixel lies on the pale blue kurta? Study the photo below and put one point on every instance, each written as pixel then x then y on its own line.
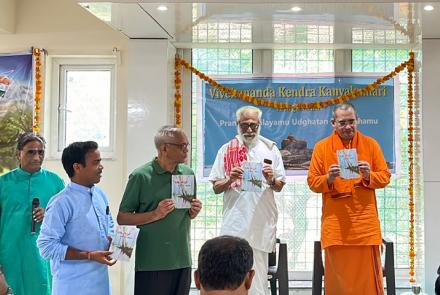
pixel 77 217
pixel 25 270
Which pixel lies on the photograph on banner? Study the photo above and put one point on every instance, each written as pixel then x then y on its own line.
pixel 297 132
pixel 16 105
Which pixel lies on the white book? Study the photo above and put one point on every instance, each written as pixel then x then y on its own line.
pixel 182 190
pixel 123 243
pixel 252 177
pixel 348 163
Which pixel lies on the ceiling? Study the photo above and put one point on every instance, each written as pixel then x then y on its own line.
pixel 270 25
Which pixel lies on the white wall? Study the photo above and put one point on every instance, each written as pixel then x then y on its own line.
pixel 431 162
pixel 62 27
pixel 150 73
pixel 7 20
pixel 149 97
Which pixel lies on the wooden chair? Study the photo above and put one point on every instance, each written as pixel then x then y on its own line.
pixel 388 268
pixel 278 270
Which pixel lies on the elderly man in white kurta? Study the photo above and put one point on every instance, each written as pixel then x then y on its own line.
pixel 250 215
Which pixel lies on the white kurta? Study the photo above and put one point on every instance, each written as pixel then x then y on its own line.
pixel 251 215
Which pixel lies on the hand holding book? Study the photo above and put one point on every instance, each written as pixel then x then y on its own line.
pixel 164 208
pixel 365 170
pixel 236 173
pixel 333 172
pixel 196 206
pixel 103 257
pixel 268 171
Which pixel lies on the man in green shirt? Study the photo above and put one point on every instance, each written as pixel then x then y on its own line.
pixel 24 269
pixel 163 259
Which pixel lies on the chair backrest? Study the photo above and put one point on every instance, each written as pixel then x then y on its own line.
pixel 437 283
pixel 388 268
pixel 273 256
pixel 318 269
pixel 278 270
pixel 437 286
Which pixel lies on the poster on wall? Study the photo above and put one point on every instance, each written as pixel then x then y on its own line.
pixel 16 105
pixel 296 133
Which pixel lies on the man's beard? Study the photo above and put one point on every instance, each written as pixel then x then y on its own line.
pixel 248 142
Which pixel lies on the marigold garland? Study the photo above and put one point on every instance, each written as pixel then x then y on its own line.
pixel 317 105
pixel 177 95
pixel 234 93
pixel 38 96
pixel 396 24
pixel 418 181
pixel 411 138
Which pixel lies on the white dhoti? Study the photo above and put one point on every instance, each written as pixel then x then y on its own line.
pixel 261 265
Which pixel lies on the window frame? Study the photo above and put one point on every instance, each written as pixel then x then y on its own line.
pixel 58 67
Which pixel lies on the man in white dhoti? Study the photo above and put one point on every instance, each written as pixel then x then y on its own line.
pixel 251 215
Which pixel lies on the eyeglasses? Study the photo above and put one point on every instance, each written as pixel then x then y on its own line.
pixel 181 146
pixel 245 126
pixel 34 152
pixel 343 123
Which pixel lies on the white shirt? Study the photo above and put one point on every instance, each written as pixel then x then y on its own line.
pixel 251 215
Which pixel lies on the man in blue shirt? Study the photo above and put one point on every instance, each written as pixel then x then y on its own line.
pixel 78 227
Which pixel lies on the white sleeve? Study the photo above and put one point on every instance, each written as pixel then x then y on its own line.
pixel 218 168
pixel 278 165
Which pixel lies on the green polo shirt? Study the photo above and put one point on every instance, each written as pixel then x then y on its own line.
pixel 163 244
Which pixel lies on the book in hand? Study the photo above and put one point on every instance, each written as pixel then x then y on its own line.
pixel 348 163
pixel 252 176
pixel 182 190
pixel 123 242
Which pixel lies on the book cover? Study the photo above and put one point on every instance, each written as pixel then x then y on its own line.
pixel 348 163
pixel 252 177
pixel 182 190
pixel 123 242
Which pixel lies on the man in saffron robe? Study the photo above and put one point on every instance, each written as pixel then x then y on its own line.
pixel 350 230
pixel 250 215
pixel 25 270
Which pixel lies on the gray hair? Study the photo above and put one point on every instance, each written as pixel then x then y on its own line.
pixel 27 137
pixel 345 106
pixel 165 133
pixel 248 109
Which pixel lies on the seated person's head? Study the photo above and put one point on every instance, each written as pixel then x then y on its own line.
pixel 225 263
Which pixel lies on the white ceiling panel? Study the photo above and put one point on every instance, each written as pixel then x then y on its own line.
pixel 183 20
pixel 129 18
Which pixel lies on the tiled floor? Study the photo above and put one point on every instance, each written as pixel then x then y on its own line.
pixel 303 291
